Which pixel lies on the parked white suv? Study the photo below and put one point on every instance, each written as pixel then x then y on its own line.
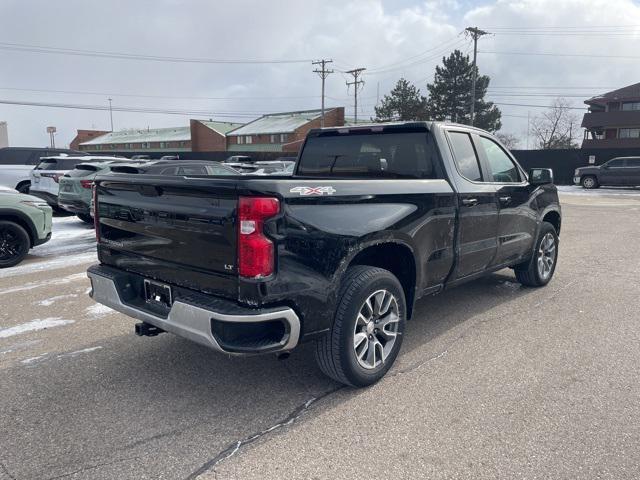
pixel 45 177
pixel 16 164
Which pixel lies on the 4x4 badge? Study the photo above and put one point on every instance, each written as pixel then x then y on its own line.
pixel 307 191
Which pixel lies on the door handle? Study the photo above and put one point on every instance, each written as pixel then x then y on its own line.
pixel 469 202
pixel 505 199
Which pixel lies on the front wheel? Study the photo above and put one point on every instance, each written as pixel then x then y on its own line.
pixel 14 244
pixel 589 182
pixel 538 271
pixel 86 218
pixel 367 330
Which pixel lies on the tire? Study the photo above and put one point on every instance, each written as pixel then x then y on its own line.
pixel 24 187
pixel 86 218
pixel 336 352
pixel 589 182
pixel 14 244
pixel 539 271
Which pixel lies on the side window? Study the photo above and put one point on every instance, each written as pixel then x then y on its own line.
pixel 633 162
pixel 617 163
pixel 192 170
pixel 502 167
pixel 465 156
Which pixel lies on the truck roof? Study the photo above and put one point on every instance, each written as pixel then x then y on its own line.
pixel 386 126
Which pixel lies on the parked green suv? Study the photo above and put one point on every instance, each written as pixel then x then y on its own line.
pixel 25 221
pixel 74 194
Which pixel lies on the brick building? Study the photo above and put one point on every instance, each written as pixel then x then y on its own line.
pixel 281 132
pixel 613 120
pixel 199 136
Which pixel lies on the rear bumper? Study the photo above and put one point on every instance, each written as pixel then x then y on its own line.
pixel 50 198
pixel 73 206
pixel 210 321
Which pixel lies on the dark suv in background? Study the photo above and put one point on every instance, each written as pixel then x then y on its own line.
pixel 620 171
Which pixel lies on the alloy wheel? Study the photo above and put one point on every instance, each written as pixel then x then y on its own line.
pixel 546 255
pixel 376 329
pixel 10 244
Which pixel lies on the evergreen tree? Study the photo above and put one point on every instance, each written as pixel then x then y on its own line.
pixel 404 102
pixel 450 94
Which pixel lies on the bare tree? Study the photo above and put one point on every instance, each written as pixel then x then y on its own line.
pixel 557 127
pixel 509 140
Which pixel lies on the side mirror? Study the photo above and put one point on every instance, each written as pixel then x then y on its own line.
pixel 540 176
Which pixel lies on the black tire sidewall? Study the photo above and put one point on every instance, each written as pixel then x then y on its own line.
pixel 25 243
pixel 544 229
pixel 358 375
pixel 86 218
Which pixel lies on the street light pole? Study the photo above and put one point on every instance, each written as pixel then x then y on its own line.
pixel 111 114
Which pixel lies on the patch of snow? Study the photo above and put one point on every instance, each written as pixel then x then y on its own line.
pixel 34 325
pixel 603 191
pixel 56 281
pixel 79 352
pixel 50 301
pixel 52 264
pixel 98 311
pixel 69 234
pixel 29 361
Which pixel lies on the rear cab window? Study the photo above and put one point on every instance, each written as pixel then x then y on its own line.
pixel 464 155
pixel 366 153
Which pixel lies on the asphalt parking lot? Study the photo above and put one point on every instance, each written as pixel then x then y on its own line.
pixel 494 380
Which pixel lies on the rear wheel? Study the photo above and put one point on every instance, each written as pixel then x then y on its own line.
pixel 23 187
pixel 14 244
pixel 540 269
pixel 367 331
pixel 589 182
pixel 86 218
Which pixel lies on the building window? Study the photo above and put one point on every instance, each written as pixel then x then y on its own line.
pixel 240 140
pixel 630 133
pixel 283 137
pixel 163 144
pixel 631 106
pixel 248 139
pixel 183 144
pixel 98 147
pixel 273 138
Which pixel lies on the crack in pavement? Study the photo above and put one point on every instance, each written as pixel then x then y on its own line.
pixel 233 448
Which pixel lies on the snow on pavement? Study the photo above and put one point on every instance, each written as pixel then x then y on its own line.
pixel 33 326
pixel 602 191
pixel 69 234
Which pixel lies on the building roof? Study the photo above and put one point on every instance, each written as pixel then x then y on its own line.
pixel 630 92
pixel 255 147
pixel 173 134
pixel 221 127
pixel 287 122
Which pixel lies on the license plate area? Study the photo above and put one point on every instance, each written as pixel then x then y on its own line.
pixel 157 293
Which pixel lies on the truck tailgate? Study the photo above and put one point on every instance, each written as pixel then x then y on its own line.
pixel 164 229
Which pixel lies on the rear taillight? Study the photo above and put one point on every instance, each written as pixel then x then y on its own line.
pixel 86 183
pixel 54 176
pixel 255 250
pixel 96 218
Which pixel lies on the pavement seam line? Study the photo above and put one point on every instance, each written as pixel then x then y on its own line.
pixel 234 447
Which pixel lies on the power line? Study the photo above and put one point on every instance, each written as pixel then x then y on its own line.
pixel 323 73
pixel 356 73
pixel 545 54
pixel 132 56
pixel 537 106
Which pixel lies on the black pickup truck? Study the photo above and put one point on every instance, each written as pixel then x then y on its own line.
pixel 373 218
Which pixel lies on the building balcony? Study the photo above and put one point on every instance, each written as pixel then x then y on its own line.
pixel 611 119
pixel 611 143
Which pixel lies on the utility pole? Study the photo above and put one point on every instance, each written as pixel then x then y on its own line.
pixel 475 33
pixel 111 114
pixel 356 72
pixel 528 127
pixel 323 73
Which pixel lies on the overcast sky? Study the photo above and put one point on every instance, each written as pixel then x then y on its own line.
pixel 391 38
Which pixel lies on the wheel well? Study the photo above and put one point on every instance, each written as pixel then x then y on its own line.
pixel 23 182
pixel 396 258
pixel 554 219
pixel 22 223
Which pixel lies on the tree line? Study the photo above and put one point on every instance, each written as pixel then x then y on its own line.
pixel 449 99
